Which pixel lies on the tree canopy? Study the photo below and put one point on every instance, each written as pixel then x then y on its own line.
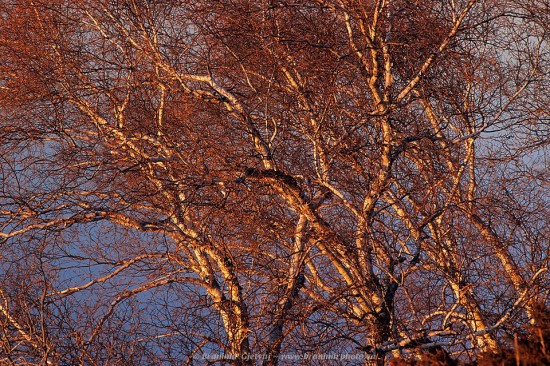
pixel 271 182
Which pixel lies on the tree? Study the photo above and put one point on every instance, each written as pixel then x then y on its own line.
pixel 241 181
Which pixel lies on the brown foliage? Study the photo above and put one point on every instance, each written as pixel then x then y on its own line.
pixel 527 347
pixel 218 181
